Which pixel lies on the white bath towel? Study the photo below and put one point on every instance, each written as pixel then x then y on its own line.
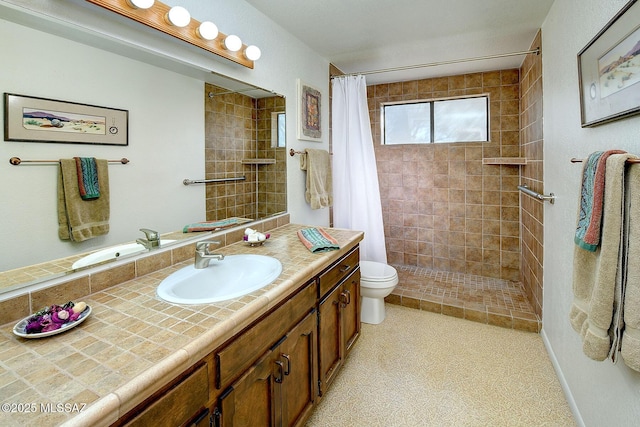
pixel 630 349
pixel 597 276
pixel 319 191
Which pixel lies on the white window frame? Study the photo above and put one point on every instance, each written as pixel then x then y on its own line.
pixel 432 102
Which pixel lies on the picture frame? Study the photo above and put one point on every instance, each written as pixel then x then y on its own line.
pixel 33 119
pixel 309 113
pixel 609 70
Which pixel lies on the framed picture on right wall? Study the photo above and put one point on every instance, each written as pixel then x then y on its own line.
pixel 609 70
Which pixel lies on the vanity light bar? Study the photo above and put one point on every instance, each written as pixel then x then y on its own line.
pixel 155 17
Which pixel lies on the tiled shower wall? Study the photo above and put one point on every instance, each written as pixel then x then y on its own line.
pixel 236 129
pixel 442 207
pixel 272 178
pixel 531 139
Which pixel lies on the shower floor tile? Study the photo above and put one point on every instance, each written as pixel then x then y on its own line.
pixel 476 298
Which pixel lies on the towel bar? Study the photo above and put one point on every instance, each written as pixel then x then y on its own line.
pixel 574 160
pixel 207 181
pixel 17 160
pixel 293 152
pixel 526 190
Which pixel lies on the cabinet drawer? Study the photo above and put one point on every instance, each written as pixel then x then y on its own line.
pixel 339 271
pixel 238 355
pixel 179 403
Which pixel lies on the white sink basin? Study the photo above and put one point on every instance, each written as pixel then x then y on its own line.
pixel 113 252
pixel 233 277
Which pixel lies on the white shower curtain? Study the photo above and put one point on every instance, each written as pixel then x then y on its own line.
pixel 356 194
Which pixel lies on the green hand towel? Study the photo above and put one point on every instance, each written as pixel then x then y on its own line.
pixel 88 183
pixel 317 240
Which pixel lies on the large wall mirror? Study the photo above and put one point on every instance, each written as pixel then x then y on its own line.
pixel 209 128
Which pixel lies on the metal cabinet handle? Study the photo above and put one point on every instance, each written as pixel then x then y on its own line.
pixel 287 371
pixel 278 378
pixel 345 298
pixel 345 268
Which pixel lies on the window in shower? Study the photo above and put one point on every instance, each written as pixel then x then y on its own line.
pixel 463 119
pixel 278 128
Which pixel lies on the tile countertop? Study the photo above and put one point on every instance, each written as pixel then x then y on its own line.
pixel 133 343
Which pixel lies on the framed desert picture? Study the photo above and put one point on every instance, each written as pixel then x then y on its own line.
pixel 309 113
pixel 609 70
pixel 32 119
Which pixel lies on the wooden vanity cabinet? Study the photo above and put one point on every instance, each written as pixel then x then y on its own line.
pixel 280 388
pixel 183 402
pixel 269 373
pixel 339 316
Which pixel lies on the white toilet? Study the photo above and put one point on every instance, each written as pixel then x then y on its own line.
pixel 377 280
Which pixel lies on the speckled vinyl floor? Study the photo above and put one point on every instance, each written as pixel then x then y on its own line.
pixel 419 368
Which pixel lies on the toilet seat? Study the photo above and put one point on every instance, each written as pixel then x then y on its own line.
pixel 374 272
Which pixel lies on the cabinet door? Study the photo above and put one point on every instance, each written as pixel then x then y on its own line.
pixel 329 332
pixel 298 362
pixel 177 404
pixel 252 400
pixel 350 304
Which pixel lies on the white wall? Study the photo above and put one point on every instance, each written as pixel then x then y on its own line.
pixel 603 394
pixel 160 81
pixel 166 135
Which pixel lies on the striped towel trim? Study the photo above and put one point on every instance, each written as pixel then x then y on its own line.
pixel 589 225
pixel 87 177
pixel 317 240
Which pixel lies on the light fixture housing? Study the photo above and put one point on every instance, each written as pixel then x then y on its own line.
pixel 177 22
pixel 233 43
pixel 140 4
pixel 252 53
pixel 207 30
pixel 178 16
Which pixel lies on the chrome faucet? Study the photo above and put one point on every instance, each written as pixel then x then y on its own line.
pixel 152 240
pixel 203 256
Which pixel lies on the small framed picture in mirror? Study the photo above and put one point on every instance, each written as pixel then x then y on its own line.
pixel 32 119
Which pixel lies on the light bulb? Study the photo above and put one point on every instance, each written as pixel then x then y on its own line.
pixel 233 43
pixel 208 30
pixel 179 16
pixel 140 4
pixel 252 53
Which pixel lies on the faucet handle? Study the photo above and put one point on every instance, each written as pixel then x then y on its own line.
pixel 204 245
pixel 151 234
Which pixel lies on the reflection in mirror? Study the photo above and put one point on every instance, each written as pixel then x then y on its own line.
pixel 236 144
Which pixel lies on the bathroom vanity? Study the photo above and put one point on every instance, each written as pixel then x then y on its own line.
pixel 264 359
pixel 267 375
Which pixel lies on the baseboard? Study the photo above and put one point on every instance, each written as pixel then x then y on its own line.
pixel 563 383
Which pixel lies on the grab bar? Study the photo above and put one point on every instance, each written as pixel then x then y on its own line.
pixel 207 181
pixel 526 190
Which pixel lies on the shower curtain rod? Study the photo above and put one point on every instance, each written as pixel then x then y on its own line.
pixel 435 64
